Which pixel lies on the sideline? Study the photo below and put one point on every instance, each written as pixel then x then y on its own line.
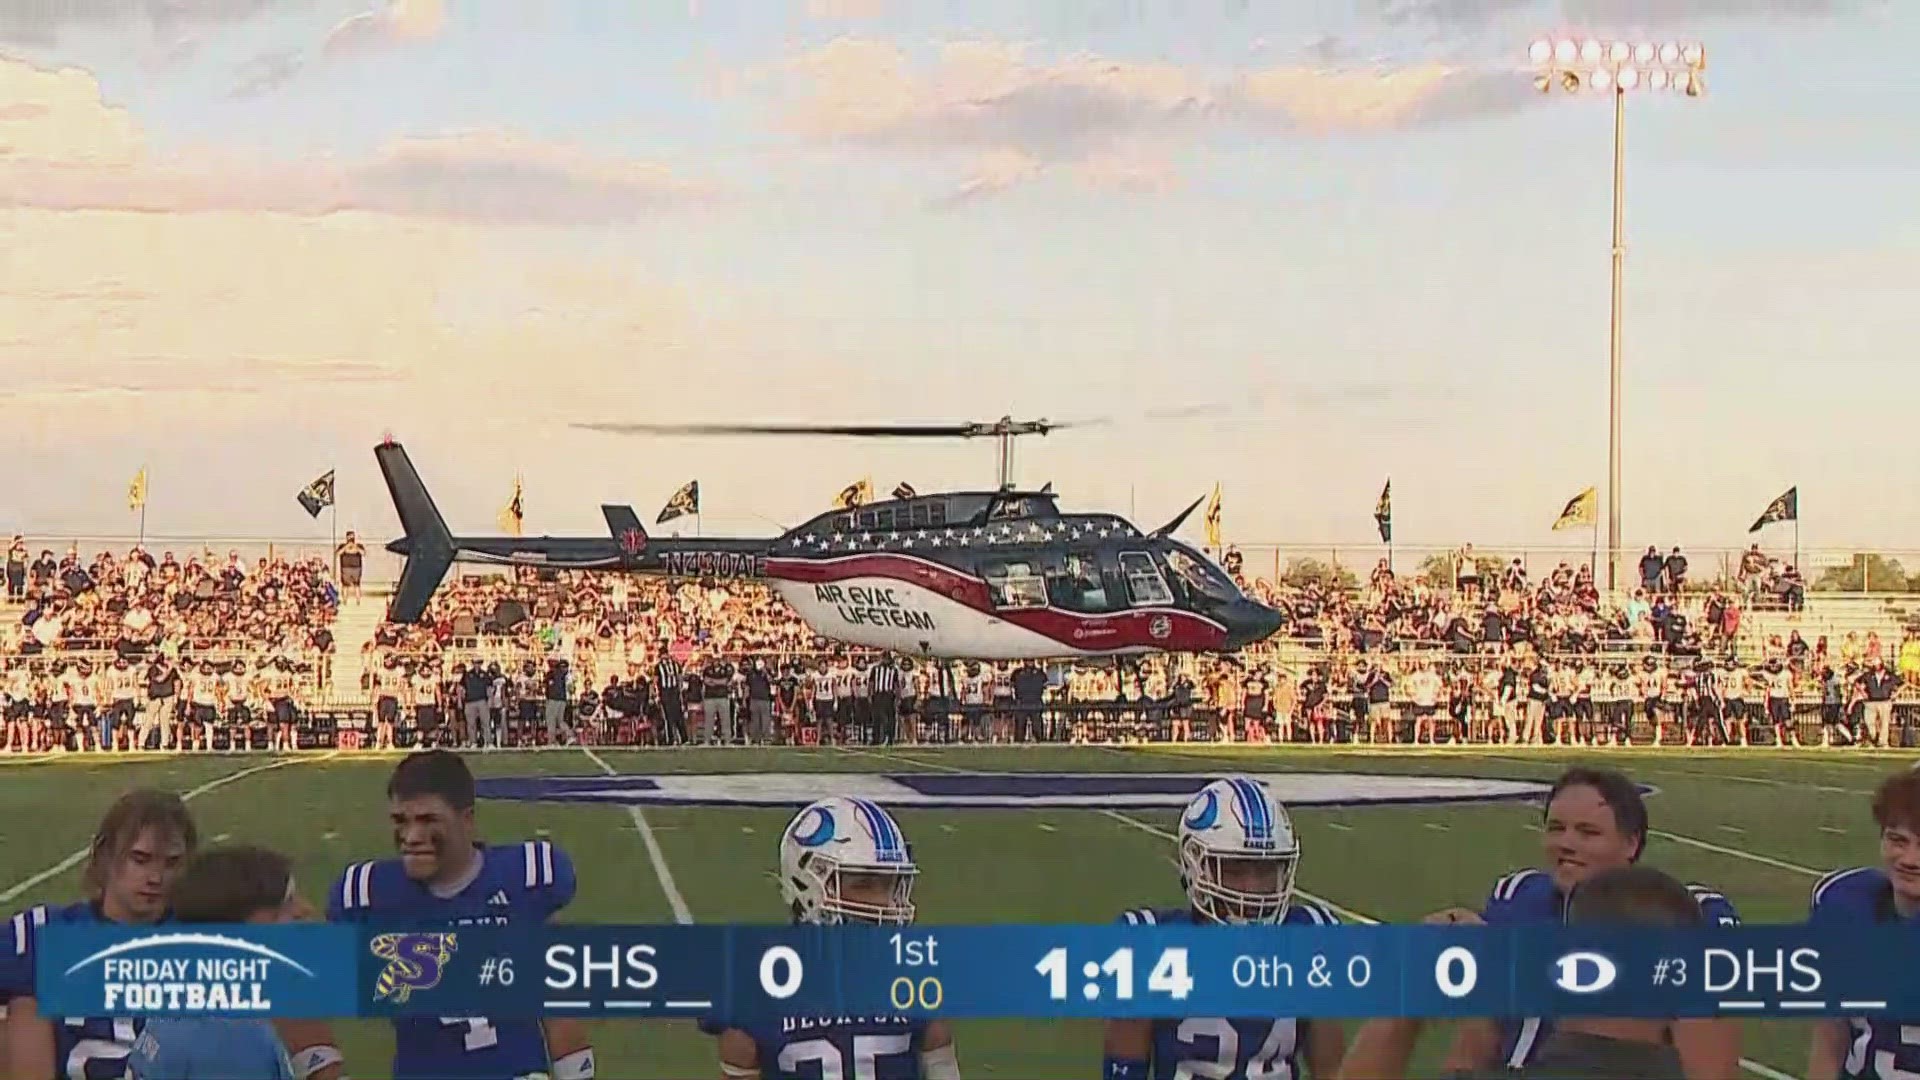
pixel 215 784
pixel 682 914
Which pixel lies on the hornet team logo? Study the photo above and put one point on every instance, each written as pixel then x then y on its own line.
pixel 414 962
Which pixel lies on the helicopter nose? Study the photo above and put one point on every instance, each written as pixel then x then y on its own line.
pixel 1252 622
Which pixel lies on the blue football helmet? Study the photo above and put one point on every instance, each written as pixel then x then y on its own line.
pixel 845 860
pixel 1238 853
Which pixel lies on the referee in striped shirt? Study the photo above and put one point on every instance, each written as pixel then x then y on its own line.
pixel 883 688
pixel 673 710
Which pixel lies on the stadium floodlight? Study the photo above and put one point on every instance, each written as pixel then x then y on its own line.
pixel 1619 68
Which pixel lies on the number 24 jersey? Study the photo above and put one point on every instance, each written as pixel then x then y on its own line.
pixel 1228 1048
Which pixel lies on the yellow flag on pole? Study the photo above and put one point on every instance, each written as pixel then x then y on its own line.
pixel 1213 519
pixel 137 491
pixel 1582 509
pixel 514 514
pixel 858 493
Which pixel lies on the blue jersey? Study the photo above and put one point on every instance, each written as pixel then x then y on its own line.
pixel 210 1049
pixel 90 1049
pixel 835 1048
pixel 1530 898
pixel 1851 898
pixel 518 884
pixel 1228 1048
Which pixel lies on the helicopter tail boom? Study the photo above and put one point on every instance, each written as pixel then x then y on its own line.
pixel 428 545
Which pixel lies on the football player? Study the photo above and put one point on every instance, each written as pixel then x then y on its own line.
pixel 842 860
pixel 138 849
pixel 226 885
pixel 445 876
pixel 1238 855
pixel 1865 1048
pixel 1595 820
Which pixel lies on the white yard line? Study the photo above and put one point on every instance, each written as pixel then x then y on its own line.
pixel 215 784
pixel 1755 1067
pixel 682 914
pixel 1764 860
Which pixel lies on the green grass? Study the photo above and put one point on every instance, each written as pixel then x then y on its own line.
pixel 1757 824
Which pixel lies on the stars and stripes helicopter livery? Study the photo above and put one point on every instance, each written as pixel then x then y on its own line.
pixel 982 575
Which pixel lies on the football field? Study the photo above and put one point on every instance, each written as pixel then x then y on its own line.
pixel 1758 825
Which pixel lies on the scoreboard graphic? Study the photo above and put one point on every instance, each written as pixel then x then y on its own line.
pixel 748 974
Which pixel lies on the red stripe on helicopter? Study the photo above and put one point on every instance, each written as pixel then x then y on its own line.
pixel 1153 628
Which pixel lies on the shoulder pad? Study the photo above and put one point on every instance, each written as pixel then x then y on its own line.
pixel 1714 905
pixel 1312 913
pixel 537 863
pixel 23 928
pixel 354 893
pixel 1517 884
pixel 1842 883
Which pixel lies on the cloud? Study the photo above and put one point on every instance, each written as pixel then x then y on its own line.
pixel 63 148
pixel 1110 122
pixel 268 72
pixel 42 21
pixel 398 23
pixel 846 10
pixel 1609 14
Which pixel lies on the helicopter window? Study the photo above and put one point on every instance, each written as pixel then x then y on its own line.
pixel 869 519
pixel 1016 585
pixel 1008 510
pixel 1145 586
pixel 1200 574
pixel 1078 586
pixel 920 515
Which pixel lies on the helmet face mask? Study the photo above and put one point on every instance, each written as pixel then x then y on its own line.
pixel 866 895
pixel 846 861
pixel 1238 854
pixel 1238 888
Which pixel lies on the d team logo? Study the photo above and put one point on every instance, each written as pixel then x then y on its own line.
pixel 1092 791
pixel 185 973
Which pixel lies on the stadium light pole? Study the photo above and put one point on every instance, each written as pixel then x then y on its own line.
pixel 1619 68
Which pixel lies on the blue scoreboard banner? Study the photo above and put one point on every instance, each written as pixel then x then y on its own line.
pixel 758 973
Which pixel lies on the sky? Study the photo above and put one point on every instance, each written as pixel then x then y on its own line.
pixel 1290 248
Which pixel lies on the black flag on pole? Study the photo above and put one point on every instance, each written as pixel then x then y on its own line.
pixel 1784 508
pixel 685 501
pixel 317 496
pixel 1383 513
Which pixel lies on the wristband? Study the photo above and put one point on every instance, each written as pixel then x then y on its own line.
pixel 1124 1069
pixel 575 1066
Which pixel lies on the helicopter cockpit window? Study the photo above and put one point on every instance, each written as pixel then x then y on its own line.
pixel 1077 585
pixel 1199 573
pixel 1008 510
pixel 1145 586
pixel 1016 585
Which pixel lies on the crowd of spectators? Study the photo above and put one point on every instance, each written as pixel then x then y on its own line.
pixel 149 643
pixel 537 656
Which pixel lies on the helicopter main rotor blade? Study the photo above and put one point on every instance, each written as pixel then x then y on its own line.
pixel 860 431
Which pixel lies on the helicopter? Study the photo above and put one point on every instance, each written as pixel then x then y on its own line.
pixel 962 575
